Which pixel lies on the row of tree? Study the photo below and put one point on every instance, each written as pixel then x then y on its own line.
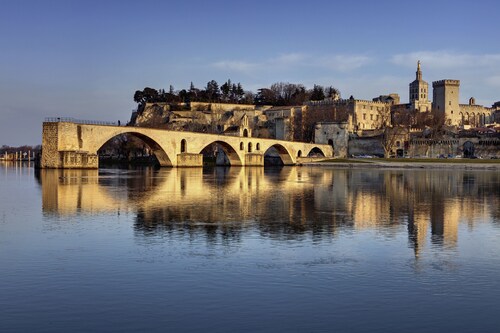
pixel 278 94
pixel 12 150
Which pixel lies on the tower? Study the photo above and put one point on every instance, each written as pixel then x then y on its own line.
pixel 419 92
pixel 445 100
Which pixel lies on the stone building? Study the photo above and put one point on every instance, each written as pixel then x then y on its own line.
pixel 317 120
pixel 334 134
pixel 446 96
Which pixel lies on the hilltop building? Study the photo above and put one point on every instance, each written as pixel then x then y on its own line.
pixel 352 126
pixel 364 115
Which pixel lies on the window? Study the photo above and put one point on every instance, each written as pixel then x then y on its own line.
pixel 364 116
pixel 249 147
pixel 449 103
pixel 257 147
pixel 241 146
pixel 371 117
pixel 183 146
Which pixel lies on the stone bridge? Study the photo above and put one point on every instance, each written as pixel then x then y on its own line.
pixel 72 144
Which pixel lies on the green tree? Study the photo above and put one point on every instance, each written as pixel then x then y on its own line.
pixel 212 91
pixel 317 93
pixel 226 90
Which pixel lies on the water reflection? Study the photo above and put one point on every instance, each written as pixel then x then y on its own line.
pixel 223 203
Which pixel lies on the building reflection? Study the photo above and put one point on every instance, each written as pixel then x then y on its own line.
pixel 282 203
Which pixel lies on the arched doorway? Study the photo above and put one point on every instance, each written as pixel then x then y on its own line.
pixel 468 149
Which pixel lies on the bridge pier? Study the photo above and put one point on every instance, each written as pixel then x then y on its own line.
pixel 189 160
pixel 254 159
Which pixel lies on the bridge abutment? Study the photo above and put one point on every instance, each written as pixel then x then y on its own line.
pixel 59 151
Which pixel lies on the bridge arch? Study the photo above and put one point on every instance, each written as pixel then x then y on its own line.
pixel 284 154
pixel 316 151
pixel 231 153
pixel 158 151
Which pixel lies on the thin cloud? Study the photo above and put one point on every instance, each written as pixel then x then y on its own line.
pixel 339 62
pixel 238 66
pixel 343 63
pixel 446 59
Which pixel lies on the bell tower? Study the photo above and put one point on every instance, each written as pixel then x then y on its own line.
pixel 419 92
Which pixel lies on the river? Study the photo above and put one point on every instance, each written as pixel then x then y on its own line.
pixel 293 249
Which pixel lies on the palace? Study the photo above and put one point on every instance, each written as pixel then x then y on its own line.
pixel 362 115
pixel 333 121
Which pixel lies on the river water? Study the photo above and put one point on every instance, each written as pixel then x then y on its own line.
pixel 294 249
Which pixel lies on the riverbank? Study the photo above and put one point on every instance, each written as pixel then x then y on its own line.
pixel 408 163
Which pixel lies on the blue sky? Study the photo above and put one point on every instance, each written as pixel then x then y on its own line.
pixel 85 59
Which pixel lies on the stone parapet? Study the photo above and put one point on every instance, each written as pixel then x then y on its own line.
pixel 445 82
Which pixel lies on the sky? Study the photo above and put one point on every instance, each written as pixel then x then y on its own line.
pixel 85 59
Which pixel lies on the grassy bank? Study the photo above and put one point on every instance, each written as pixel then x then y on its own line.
pixel 413 160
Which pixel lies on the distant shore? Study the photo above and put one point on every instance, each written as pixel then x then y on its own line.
pixel 463 164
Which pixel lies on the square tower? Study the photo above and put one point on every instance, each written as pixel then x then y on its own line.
pixel 445 100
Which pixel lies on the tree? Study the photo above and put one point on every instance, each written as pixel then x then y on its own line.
pixel 393 135
pixel 212 91
pixel 317 93
pixel 239 92
pixel 226 90
pixel 148 95
pixel 265 96
pixel 331 92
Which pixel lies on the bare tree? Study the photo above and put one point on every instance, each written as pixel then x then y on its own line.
pixel 392 135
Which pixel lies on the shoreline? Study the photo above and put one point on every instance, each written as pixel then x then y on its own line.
pixel 359 164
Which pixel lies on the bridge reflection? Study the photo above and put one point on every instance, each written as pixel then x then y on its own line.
pixel 287 203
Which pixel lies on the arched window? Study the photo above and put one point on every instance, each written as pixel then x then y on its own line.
pixel 257 147
pixel 242 146
pixel 330 142
pixel 245 133
pixel 183 146
pixel 249 147
pixel 299 154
